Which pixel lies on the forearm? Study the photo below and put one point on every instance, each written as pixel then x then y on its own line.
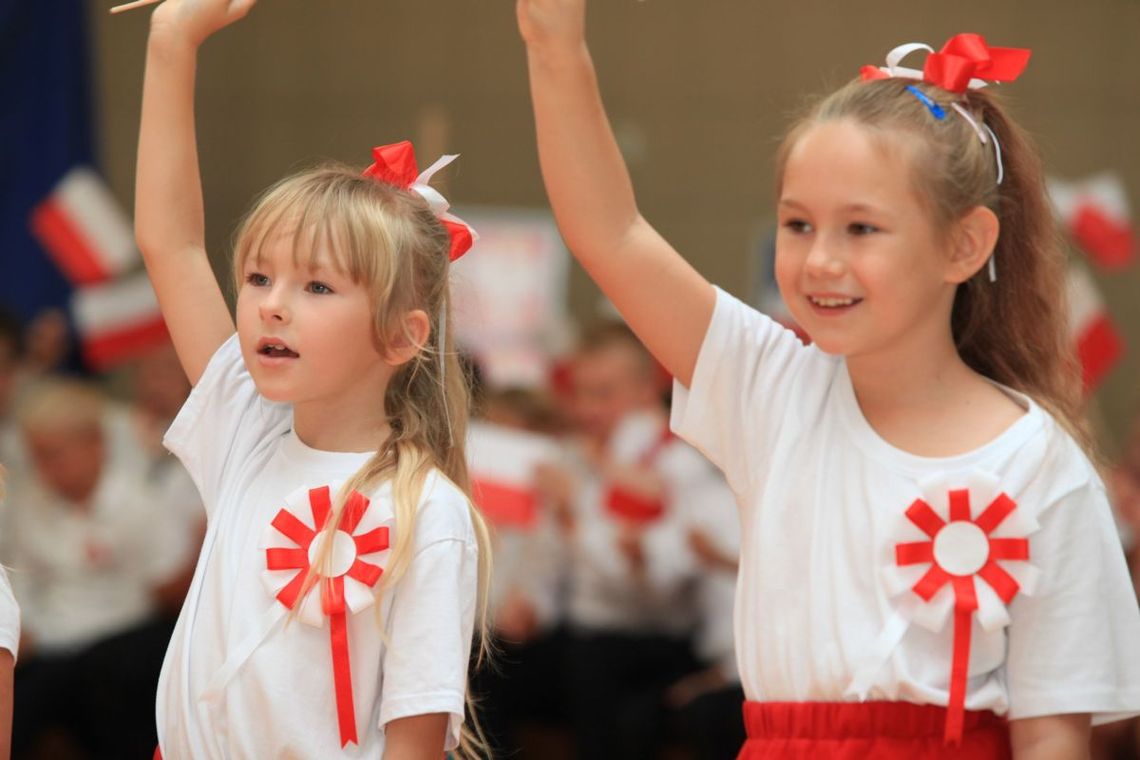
pixel 1053 737
pixel 169 214
pixel 641 480
pixel 419 737
pixel 666 302
pixel 169 220
pixel 586 178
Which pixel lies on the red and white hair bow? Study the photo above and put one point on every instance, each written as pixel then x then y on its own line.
pixel 964 62
pixel 395 165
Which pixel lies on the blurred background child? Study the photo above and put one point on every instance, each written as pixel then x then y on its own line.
pixel 92 552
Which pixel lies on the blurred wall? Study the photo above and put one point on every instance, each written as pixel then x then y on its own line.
pixel 699 91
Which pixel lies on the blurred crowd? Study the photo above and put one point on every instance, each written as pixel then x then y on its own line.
pixel 616 551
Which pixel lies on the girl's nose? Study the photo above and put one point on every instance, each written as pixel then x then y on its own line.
pixel 273 307
pixel 823 260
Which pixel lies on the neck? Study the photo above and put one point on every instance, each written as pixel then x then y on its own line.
pixel 341 425
pixel 923 373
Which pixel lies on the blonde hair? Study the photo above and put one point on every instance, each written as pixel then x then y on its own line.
pixel 1015 330
pixel 61 405
pixel 390 241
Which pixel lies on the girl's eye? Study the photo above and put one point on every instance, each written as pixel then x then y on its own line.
pixel 257 279
pixel 860 228
pixel 798 226
pixel 319 288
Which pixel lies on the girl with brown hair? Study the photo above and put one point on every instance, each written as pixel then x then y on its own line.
pixel 344 567
pixel 929 567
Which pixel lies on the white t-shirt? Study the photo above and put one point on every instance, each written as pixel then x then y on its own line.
pixel 605 594
pixel 82 574
pixel 408 652
pixel 822 497
pixel 9 617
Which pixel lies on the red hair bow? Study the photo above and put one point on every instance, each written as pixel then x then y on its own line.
pixel 964 62
pixel 395 165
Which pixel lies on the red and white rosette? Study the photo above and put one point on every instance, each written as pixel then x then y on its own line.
pixel 360 546
pixel 961 550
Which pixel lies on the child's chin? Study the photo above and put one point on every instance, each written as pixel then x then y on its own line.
pixel 276 394
pixel 830 347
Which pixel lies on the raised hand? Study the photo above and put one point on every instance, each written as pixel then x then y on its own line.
pixel 195 20
pixel 552 22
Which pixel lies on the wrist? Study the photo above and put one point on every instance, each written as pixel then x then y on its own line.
pixel 559 53
pixel 169 41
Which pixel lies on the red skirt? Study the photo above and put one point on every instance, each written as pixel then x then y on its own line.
pixel 855 731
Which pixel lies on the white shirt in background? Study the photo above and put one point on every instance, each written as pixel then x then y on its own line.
pixel 9 617
pixel 530 558
pixel 605 594
pixel 712 511
pixel 82 574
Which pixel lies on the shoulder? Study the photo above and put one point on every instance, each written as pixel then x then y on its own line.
pixel 1056 468
pixel 443 512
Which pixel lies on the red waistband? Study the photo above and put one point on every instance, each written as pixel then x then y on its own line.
pixel 849 720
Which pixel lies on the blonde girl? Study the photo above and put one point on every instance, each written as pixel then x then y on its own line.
pixel 339 585
pixel 929 567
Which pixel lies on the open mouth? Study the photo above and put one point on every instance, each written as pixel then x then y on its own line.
pixel 276 349
pixel 833 302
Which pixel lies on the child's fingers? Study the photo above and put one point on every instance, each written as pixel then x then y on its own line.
pixel 239 8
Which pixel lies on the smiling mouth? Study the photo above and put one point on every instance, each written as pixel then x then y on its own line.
pixel 833 302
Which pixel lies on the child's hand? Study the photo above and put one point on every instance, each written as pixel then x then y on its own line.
pixel 707 553
pixel 194 20
pixel 631 545
pixel 516 621
pixel 552 22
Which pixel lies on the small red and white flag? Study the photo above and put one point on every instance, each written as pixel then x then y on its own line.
pixel 84 229
pixel 1096 214
pixel 503 461
pixel 1097 341
pixel 117 320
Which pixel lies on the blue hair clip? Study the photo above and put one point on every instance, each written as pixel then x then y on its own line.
pixel 938 111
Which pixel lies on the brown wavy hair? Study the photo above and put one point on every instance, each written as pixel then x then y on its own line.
pixel 1013 331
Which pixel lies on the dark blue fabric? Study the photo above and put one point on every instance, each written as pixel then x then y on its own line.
pixel 45 129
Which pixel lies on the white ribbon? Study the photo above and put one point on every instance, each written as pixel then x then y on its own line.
pixel 896 56
pixel 439 205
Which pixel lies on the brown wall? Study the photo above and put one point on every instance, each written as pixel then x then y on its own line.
pixel 702 87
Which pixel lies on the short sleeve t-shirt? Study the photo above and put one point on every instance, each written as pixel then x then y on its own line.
pixel 9 617
pixel 408 652
pixel 822 498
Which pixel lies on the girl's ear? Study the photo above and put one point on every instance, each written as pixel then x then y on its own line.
pixel 975 237
pixel 410 338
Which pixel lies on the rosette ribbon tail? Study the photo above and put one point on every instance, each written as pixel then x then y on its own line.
pixel 965 603
pixel 333 600
pixel 961 553
pixel 342 668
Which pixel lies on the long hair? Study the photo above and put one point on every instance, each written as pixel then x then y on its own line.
pixel 390 241
pixel 1013 331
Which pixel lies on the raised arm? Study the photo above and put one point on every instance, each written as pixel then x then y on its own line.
pixel 666 302
pixel 169 221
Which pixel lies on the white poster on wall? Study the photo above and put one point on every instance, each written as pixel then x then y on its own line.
pixel 510 295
